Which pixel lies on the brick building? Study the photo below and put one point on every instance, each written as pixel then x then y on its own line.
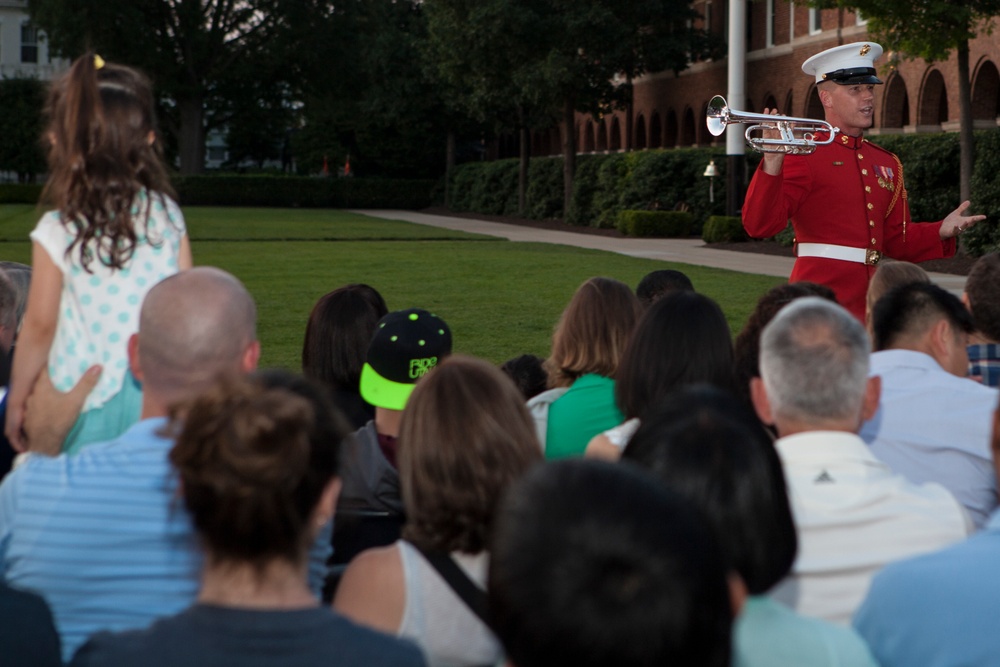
pixel 669 110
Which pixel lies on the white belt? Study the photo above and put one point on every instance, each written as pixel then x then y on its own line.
pixel 868 256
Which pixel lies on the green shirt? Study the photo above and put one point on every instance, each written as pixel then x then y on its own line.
pixel 587 409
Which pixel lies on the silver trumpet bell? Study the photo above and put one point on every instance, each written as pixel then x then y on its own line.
pixel 798 135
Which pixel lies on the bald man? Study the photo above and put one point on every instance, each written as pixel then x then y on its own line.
pixel 102 535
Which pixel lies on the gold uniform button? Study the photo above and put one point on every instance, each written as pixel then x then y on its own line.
pixel 864 172
pixel 873 240
pixel 870 206
pixel 860 156
pixel 868 188
pixel 871 223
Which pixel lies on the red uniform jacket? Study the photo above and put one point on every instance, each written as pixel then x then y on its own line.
pixel 848 193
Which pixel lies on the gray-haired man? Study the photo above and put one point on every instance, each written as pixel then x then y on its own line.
pixel 853 514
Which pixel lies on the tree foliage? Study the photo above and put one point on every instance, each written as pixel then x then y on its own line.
pixel 21 127
pixel 206 57
pixel 557 57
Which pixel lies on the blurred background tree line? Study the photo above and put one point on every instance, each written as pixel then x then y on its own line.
pixel 403 87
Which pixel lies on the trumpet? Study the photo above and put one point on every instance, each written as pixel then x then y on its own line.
pixel 798 135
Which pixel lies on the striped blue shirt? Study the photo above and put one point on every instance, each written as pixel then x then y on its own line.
pixel 104 537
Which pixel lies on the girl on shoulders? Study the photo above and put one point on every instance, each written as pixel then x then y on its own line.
pixel 113 232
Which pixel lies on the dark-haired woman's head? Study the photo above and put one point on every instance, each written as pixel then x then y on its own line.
pixel 339 331
pixel 255 456
pixel 595 563
pixel 707 446
pixel 682 339
pixel 465 435
pixel 593 331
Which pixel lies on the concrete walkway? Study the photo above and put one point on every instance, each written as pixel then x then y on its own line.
pixel 682 251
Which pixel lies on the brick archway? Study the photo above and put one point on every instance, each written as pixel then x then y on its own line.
pixel 670 131
pixel 640 132
pixel 895 103
pixel 932 109
pixel 602 136
pixel 615 139
pixel 655 131
pixel 688 137
pixel 588 137
pixel 814 108
pixel 986 93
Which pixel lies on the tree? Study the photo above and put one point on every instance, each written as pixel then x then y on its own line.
pixel 561 56
pixel 194 50
pixel 21 127
pixel 484 54
pixel 364 85
pixel 932 29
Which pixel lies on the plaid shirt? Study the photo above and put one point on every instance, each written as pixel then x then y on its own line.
pixel 984 363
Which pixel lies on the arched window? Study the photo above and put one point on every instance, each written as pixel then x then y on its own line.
pixel 670 138
pixel 986 94
pixel 687 128
pixel 896 103
pixel 933 101
pixel 615 139
pixel 640 132
pixel 655 132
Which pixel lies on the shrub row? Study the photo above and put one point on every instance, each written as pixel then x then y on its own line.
pixel 672 224
pixel 603 187
pixel 278 191
pixel 607 184
pixel 303 191
pixel 15 193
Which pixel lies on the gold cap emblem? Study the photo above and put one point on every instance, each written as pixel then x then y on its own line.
pixel 865 49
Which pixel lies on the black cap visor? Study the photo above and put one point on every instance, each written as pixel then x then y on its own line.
pixel 852 76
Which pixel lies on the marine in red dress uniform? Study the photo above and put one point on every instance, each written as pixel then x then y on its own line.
pixel 847 201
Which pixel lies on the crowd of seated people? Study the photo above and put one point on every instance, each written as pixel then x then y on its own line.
pixel 817 491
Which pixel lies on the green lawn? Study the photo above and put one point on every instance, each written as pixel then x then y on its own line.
pixel 500 298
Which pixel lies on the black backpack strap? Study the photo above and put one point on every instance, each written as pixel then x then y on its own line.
pixel 472 595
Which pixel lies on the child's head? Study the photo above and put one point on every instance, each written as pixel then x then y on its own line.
pixel 102 152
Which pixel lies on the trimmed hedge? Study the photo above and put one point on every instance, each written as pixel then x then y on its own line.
pixel 671 224
pixel 15 193
pixel 303 191
pixel 724 229
pixel 985 237
pixel 606 184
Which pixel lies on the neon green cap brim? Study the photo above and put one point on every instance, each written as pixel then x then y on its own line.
pixel 383 393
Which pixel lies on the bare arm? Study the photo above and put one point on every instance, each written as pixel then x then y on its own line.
pixel 600 447
pixel 49 414
pixel 372 591
pixel 184 259
pixel 35 339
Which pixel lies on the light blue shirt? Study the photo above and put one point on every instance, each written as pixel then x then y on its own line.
pixel 939 609
pixel 104 537
pixel 932 426
pixel 769 634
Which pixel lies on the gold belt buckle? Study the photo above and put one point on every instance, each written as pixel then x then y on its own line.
pixel 872 257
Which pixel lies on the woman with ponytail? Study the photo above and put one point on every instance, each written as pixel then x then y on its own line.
pixel 113 231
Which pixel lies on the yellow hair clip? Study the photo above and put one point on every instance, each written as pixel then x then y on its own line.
pixel 98 62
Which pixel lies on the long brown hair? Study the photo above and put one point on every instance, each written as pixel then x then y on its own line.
pixel 101 156
pixel 593 331
pixel 465 436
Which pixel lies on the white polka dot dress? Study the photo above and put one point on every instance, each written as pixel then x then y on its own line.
pixel 99 310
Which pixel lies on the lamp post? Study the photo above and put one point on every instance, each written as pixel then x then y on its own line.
pixel 711 172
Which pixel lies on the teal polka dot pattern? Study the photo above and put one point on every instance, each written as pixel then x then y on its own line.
pixel 99 309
